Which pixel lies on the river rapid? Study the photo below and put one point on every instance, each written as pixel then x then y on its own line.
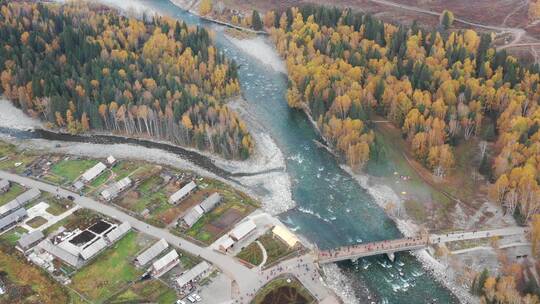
pixel 332 208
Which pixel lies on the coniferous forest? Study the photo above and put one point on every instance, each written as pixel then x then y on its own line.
pixel 84 67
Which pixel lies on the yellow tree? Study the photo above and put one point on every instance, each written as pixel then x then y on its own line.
pixel 205 7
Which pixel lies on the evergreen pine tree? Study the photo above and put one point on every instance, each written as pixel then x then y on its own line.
pixel 256 22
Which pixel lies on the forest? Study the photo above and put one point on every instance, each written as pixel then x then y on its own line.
pixel 439 87
pixel 83 67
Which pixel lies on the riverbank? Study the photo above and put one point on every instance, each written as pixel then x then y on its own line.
pixel 389 200
pixel 257 48
pixel 266 177
pixel 191 7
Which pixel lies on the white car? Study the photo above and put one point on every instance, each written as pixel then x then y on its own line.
pixel 180 302
pixel 197 297
pixel 191 299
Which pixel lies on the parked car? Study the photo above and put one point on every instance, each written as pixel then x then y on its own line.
pixel 71 198
pixel 191 299
pixel 180 302
pixel 197 297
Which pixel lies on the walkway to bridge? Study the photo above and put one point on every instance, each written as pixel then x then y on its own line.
pixel 354 252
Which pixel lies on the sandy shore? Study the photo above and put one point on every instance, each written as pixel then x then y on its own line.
pixel 258 48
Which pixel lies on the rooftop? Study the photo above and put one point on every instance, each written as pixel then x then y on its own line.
pixel 152 252
pixel 243 229
pixel 93 172
pixel 30 238
pixel 182 193
pixel 192 274
pixel 165 260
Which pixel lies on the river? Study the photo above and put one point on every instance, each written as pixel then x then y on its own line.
pixel 332 209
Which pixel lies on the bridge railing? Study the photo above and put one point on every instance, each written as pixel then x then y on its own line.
pixel 373 248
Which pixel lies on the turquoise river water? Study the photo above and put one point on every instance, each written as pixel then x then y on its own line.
pixel 332 208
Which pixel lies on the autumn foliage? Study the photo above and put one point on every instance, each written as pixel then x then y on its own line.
pixel 440 88
pixel 84 67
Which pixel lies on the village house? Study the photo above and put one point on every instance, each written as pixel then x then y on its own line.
pixel 151 253
pixel 285 235
pixel 19 202
pixel 112 191
pixel 199 210
pixel 12 219
pixel 242 230
pixel 29 240
pixel 165 263
pixel 194 273
pixel 93 172
pixel 4 185
pixel 183 193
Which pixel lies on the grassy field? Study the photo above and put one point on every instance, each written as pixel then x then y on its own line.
pixel 153 291
pixel 13 157
pixel 11 194
pixel 101 179
pixel 72 168
pixel 125 168
pixel 251 254
pixel 110 272
pixel 36 222
pixel 12 236
pixel 26 283
pixel 275 248
pixel 57 206
pixel 419 191
pixel 283 290
pixel 415 210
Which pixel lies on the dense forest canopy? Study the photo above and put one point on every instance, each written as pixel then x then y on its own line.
pixel 81 67
pixel 439 87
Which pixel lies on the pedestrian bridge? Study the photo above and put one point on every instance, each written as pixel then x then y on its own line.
pixel 355 252
pixel 389 247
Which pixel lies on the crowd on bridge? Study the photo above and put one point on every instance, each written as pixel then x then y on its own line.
pixel 372 247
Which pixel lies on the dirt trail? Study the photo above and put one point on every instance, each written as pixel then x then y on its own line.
pixel 525 2
pixel 517 33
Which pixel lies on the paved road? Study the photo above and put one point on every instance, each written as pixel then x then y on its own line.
pixel 461 236
pixel 249 281
pixel 246 279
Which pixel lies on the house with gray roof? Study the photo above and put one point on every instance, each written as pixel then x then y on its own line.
pixel 151 253
pixel 182 193
pixel 60 253
pixel 118 232
pixel 211 202
pixel 165 263
pixel 192 274
pixel 93 249
pixel 12 219
pixel 193 216
pixel 112 191
pixel 19 201
pixel 4 185
pixel 29 240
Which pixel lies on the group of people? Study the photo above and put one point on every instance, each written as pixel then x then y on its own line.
pixel 361 248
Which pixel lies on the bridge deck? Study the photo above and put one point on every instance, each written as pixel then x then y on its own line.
pixel 368 249
pixel 390 246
